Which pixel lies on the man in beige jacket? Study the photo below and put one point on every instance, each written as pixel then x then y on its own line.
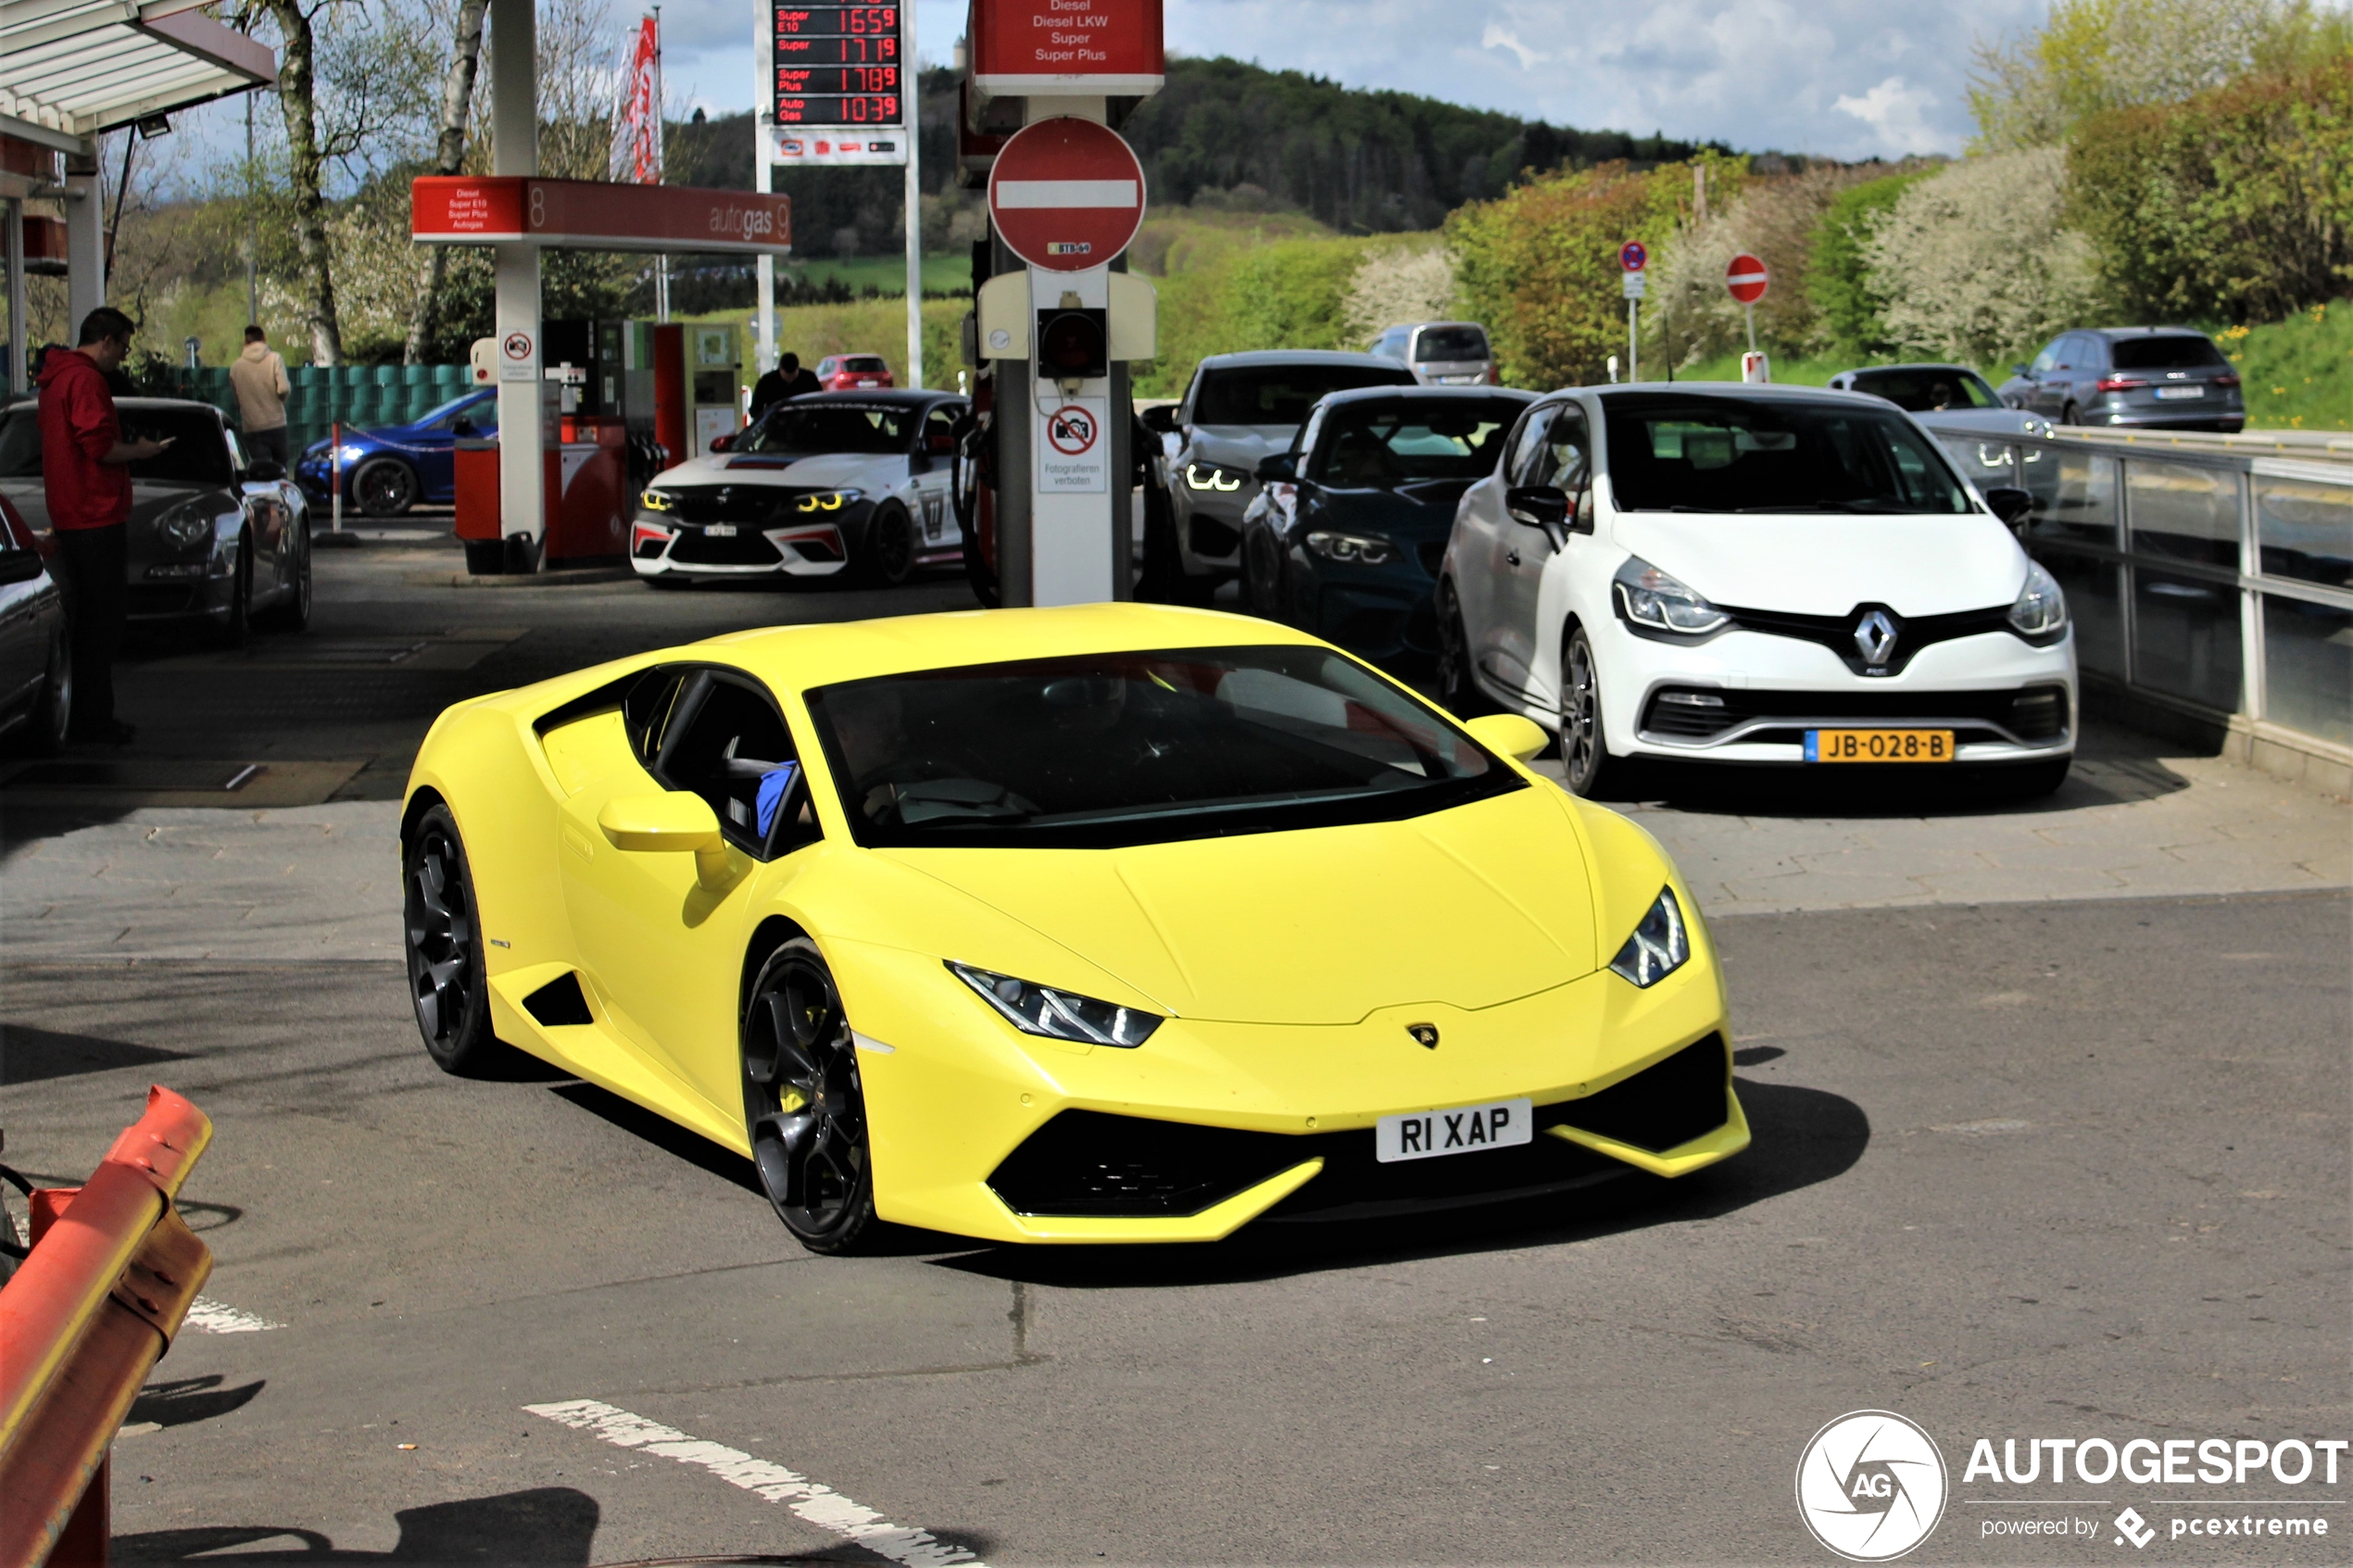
pixel 259 377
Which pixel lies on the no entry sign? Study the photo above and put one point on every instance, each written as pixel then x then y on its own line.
pixel 1747 279
pixel 1067 195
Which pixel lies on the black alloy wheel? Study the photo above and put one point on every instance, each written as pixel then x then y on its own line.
pixel 890 547
pixel 1456 690
pixel 1586 764
pixel 236 627
pixel 385 487
pixel 51 719
pixel 1263 575
pixel 804 1103
pixel 443 942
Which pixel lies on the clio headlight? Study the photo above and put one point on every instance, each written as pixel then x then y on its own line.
pixel 1058 1015
pixel 186 527
pixel 658 501
pixel 1648 596
pixel 1659 947
pixel 2039 614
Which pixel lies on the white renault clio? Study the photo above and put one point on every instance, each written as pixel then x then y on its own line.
pixel 1729 573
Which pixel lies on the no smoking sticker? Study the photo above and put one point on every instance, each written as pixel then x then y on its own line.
pixel 1069 447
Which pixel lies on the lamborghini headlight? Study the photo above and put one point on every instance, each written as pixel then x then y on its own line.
pixel 2039 614
pixel 1659 947
pixel 1058 1015
pixel 658 501
pixel 186 527
pixel 827 500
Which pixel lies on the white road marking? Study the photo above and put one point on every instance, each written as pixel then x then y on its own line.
pixel 213 1317
pixel 813 1500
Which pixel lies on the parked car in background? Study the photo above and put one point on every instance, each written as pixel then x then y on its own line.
pixel 1240 407
pixel 1345 539
pixel 1440 353
pixel 1754 574
pixel 36 656
pixel 1947 398
pixel 214 540
pixel 853 372
pixel 824 484
pixel 2165 378
pixel 392 467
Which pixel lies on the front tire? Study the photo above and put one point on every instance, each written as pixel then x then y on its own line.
pixel 1586 764
pixel 385 487
pixel 804 1102
pixel 46 726
pixel 237 628
pixel 1457 691
pixel 889 557
pixel 442 939
pixel 293 613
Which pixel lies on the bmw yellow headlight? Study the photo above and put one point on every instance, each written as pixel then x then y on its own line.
pixel 658 501
pixel 826 500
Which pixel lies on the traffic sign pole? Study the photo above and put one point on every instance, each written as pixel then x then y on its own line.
pixel 1747 278
pixel 1633 261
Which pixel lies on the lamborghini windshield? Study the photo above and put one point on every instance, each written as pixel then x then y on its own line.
pixel 1109 750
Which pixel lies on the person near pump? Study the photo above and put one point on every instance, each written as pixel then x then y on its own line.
pixel 260 376
pixel 787 381
pixel 85 475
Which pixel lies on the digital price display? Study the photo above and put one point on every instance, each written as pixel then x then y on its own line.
pixel 837 65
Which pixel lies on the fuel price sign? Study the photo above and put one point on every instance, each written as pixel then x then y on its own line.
pixel 838 78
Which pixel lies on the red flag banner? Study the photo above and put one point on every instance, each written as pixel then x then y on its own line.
pixel 636 121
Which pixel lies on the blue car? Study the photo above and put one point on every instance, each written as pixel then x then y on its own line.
pixel 392 467
pixel 1345 537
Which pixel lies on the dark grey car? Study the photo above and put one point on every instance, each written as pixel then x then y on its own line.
pixel 214 540
pixel 2161 377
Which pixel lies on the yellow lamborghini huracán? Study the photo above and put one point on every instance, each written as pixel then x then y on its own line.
pixel 1104 923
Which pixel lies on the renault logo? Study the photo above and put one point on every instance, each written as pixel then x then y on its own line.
pixel 1875 636
pixel 1425 1035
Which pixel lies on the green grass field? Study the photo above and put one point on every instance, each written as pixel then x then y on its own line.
pixel 942 274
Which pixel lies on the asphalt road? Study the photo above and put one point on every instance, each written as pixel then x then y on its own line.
pixel 2057 1170
pixel 2071 1170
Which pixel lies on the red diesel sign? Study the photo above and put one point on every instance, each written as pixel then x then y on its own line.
pixel 1022 47
pixel 1067 195
pixel 592 215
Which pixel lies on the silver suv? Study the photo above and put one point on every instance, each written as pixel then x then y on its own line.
pixel 1440 353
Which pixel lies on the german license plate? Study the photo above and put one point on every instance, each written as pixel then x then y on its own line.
pixel 720 531
pixel 1878 745
pixel 1467 1129
pixel 2180 392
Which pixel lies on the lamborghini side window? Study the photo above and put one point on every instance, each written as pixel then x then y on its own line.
pixel 725 743
pixel 646 710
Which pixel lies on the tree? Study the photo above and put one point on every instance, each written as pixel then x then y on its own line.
pixel 1975 261
pixel 1838 277
pixel 450 157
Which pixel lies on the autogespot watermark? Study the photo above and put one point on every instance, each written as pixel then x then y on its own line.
pixel 1871 1486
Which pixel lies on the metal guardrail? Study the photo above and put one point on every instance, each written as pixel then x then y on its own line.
pixel 2213 575
pixel 88 1313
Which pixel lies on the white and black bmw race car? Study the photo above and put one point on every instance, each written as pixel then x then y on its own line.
pixel 826 484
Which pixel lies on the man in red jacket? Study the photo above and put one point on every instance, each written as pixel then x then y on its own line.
pixel 85 471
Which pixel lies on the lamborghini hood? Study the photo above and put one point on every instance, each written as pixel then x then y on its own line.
pixel 1471 907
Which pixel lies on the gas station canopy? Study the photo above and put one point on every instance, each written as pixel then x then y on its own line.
pixel 77 67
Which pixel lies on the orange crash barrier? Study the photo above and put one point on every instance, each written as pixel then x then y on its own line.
pixel 88 1313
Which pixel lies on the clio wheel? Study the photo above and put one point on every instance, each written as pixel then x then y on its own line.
pixel 1456 690
pixel 805 1102
pixel 1586 764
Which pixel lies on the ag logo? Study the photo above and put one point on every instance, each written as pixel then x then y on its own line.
pixel 1870 1485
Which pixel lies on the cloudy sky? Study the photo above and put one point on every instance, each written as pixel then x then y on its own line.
pixel 1847 79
